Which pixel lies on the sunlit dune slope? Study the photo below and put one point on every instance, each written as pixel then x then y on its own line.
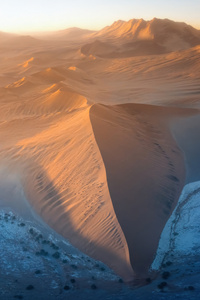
pixel 145 171
pixel 63 175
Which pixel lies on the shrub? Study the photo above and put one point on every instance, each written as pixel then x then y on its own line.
pixel 74 267
pixel 54 246
pixel 189 288
pixel 148 280
pixel 162 285
pixel 66 288
pixel 93 287
pixel 30 287
pixel 42 252
pixel 165 275
pixel 56 255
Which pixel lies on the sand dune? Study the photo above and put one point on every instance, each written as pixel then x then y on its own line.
pixel 93 126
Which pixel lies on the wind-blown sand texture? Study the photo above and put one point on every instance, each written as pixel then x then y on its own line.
pixel 93 129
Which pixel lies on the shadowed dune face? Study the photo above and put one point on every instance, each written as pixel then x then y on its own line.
pixel 145 172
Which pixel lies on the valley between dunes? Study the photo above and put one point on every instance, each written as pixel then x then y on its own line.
pixel 95 132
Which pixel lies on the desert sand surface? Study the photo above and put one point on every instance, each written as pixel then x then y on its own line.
pixel 100 132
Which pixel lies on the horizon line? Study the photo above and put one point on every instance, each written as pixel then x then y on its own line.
pixel 29 32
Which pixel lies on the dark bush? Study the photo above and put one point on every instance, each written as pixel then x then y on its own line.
pixel 93 287
pixel 72 280
pixel 42 252
pixel 162 285
pixel 54 246
pixel 165 275
pixel 189 288
pixel 66 288
pixel 56 255
pixel 148 280
pixel 74 267
pixel 31 231
pixel 30 287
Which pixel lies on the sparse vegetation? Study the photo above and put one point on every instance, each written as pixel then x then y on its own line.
pixel 42 252
pixel 66 288
pixel 189 288
pixel 148 280
pixel 165 275
pixel 93 286
pixel 56 255
pixel 30 287
pixel 22 224
pixel 162 285
pixel 74 266
pixel 54 246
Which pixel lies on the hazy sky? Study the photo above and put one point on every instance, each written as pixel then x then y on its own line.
pixel 44 15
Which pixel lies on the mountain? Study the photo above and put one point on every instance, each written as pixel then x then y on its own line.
pixel 140 37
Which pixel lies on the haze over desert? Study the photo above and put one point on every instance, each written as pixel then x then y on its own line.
pixel 99 157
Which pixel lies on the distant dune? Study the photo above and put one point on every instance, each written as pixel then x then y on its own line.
pixel 95 127
pixel 70 34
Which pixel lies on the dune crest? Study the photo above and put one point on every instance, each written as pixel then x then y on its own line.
pixel 26 63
